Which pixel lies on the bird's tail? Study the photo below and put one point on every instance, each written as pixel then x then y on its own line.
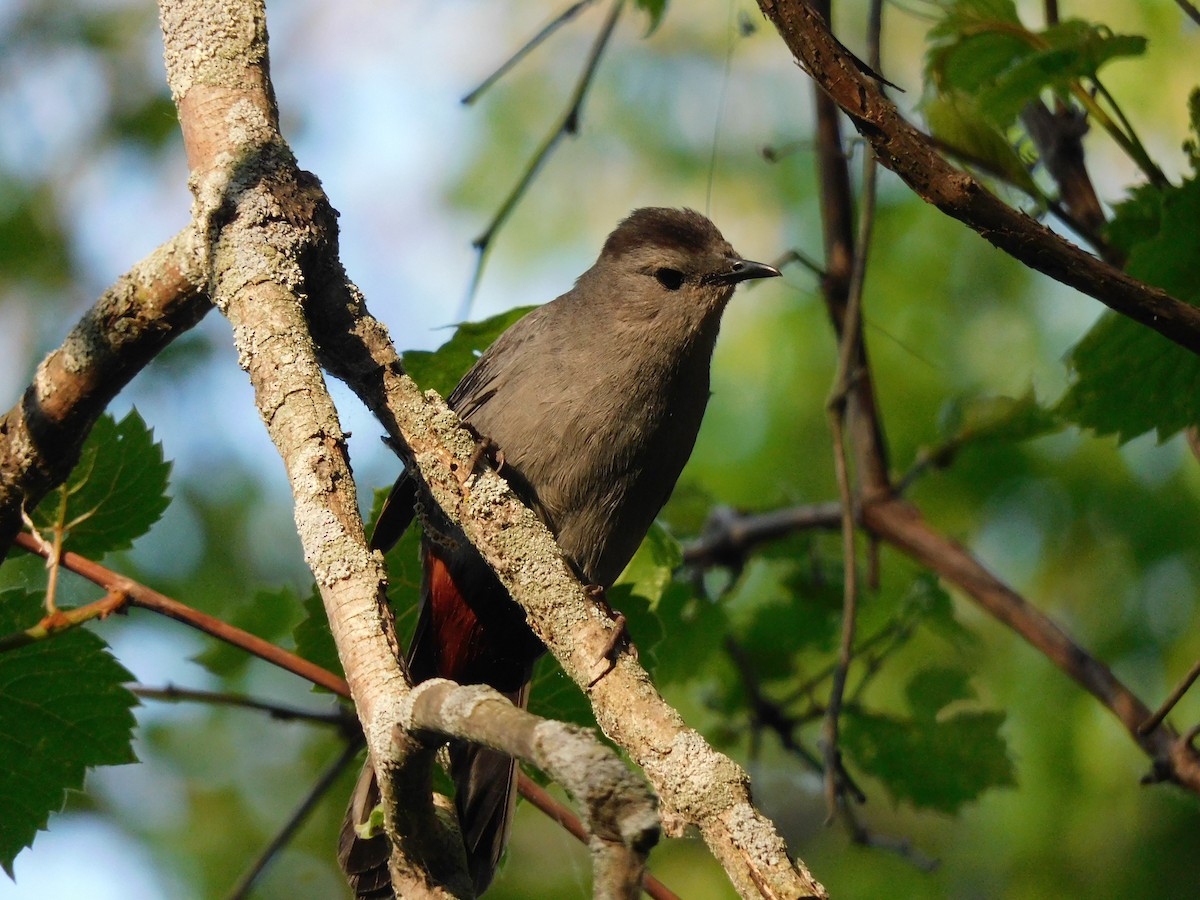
pixel 485 795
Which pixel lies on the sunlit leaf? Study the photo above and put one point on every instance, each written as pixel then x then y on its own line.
pixel 114 494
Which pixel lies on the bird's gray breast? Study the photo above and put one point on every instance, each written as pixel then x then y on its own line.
pixel 598 427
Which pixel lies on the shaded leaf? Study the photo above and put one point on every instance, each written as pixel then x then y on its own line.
pixel 955 119
pixel 314 640
pixel 63 710
pixel 939 765
pixel 931 690
pixel 1128 379
pixel 114 494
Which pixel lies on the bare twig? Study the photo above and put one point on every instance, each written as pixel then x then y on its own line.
pixel 341 718
pixel 567 125
pixel 729 536
pixel 1189 10
pixel 1172 699
pixel 552 26
pixel 295 820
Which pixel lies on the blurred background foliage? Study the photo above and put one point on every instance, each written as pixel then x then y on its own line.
pixel 1038 795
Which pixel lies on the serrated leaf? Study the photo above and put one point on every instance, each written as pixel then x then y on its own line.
pixel 970 420
pixel 1130 380
pixel 930 690
pixel 115 492
pixel 441 369
pixel 1072 50
pixel 63 710
pixel 939 765
pixel 268 614
pixel 655 9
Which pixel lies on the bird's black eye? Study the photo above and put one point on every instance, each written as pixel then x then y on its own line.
pixel 671 279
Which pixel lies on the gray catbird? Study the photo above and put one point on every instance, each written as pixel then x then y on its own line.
pixel 594 400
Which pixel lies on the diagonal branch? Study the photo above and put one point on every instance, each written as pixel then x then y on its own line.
pixel 149 306
pixel 908 153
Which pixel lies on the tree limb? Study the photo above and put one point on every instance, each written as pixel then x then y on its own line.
pixel 908 153
pixel 40 438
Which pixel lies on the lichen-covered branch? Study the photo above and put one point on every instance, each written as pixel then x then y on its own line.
pixel 152 304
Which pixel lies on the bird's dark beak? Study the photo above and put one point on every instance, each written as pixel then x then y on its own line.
pixel 743 270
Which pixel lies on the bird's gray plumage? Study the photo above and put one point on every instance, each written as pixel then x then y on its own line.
pixel 595 401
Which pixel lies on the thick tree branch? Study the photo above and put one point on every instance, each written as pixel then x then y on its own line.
pixel 152 304
pixel 902 525
pixel 267 227
pixel 617 809
pixel 908 153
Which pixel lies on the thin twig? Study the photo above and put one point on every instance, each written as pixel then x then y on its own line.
pixel 1173 698
pixel 568 124
pixel 59 620
pixel 340 717
pixel 295 820
pixel 148 598
pixel 552 26
pixel 1189 10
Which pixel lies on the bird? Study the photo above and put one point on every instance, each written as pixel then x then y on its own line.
pixel 594 402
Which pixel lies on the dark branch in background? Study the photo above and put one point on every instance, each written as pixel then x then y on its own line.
pixel 852 409
pixel 567 125
pixel 152 304
pixel 328 778
pixel 1189 10
pixel 340 718
pixel 904 150
pixel 552 26
pixel 729 537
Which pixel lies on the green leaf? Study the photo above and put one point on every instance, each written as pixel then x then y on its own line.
pixel 440 370
pixel 929 603
pixel 63 710
pixel 268 614
pixel 971 420
pixel 939 765
pixel 649 572
pixel 931 690
pixel 697 627
pixel 655 9
pixel 115 492
pixel 1075 50
pixel 1130 380
pixel 555 696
